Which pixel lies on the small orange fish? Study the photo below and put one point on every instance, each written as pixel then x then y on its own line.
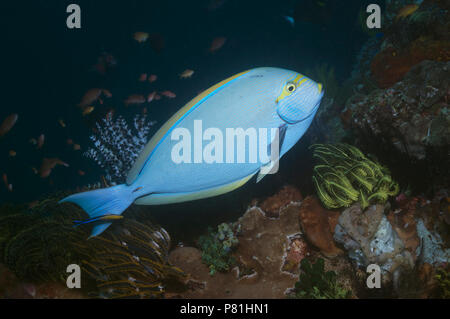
pixel 140 36
pixel 76 147
pixel 186 74
pixel 143 77
pixel 152 78
pixel 81 173
pixel 151 96
pixel 217 43
pixel 88 110
pixel 40 141
pixel 12 153
pixel 8 123
pixel 69 141
pixel 8 185
pixel 135 99
pixel 62 123
pixel 90 97
pixel 48 164
pixel 107 93
pixel 169 94
pixel 104 62
pixel 406 11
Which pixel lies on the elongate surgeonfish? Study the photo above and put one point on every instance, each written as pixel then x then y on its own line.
pixel 258 99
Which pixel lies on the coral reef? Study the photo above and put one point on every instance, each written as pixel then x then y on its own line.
pixel 390 65
pixel 260 257
pixel 217 246
pixel 370 239
pixel 267 258
pixel 316 283
pixel 405 225
pixel 272 205
pixel 432 246
pixel 417 33
pixel 130 260
pixel 410 120
pixel 318 226
pixel 408 242
pixel 296 252
pixel 37 243
pixel 361 78
pixel 116 145
pixel 407 118
pixel 13 288
pixel 345 175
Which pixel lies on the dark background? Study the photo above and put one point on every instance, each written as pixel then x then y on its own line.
pixel 48 67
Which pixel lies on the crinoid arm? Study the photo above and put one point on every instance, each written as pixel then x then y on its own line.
pixel 344 175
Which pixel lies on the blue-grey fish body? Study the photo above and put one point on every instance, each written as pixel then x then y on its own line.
pixel 258 99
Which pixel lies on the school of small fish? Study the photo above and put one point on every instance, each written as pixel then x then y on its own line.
pixel 94 98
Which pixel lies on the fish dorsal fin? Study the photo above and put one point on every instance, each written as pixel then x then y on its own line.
pixel 145 155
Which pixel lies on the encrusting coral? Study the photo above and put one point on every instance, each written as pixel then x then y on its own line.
pixel 316 283
pixel 217 246
pixel 344 175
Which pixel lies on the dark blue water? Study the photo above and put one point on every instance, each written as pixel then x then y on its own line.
pixel 47 68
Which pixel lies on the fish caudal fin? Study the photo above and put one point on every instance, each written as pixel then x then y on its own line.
pixel 102 205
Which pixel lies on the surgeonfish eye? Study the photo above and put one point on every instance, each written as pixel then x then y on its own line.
pixel 299 99
pixel 290 87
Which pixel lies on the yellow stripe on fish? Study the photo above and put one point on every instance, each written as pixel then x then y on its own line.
pixel 157 199
pixel 291 86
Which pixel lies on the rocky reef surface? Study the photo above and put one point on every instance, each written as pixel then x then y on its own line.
pixel 411 116
pixel 408 240
pixel 396 102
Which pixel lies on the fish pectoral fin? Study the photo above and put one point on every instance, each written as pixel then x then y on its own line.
pixel 272 166
pixel 281 135
pixel 269 168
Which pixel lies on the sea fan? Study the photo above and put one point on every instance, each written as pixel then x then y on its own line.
pixel 116 146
